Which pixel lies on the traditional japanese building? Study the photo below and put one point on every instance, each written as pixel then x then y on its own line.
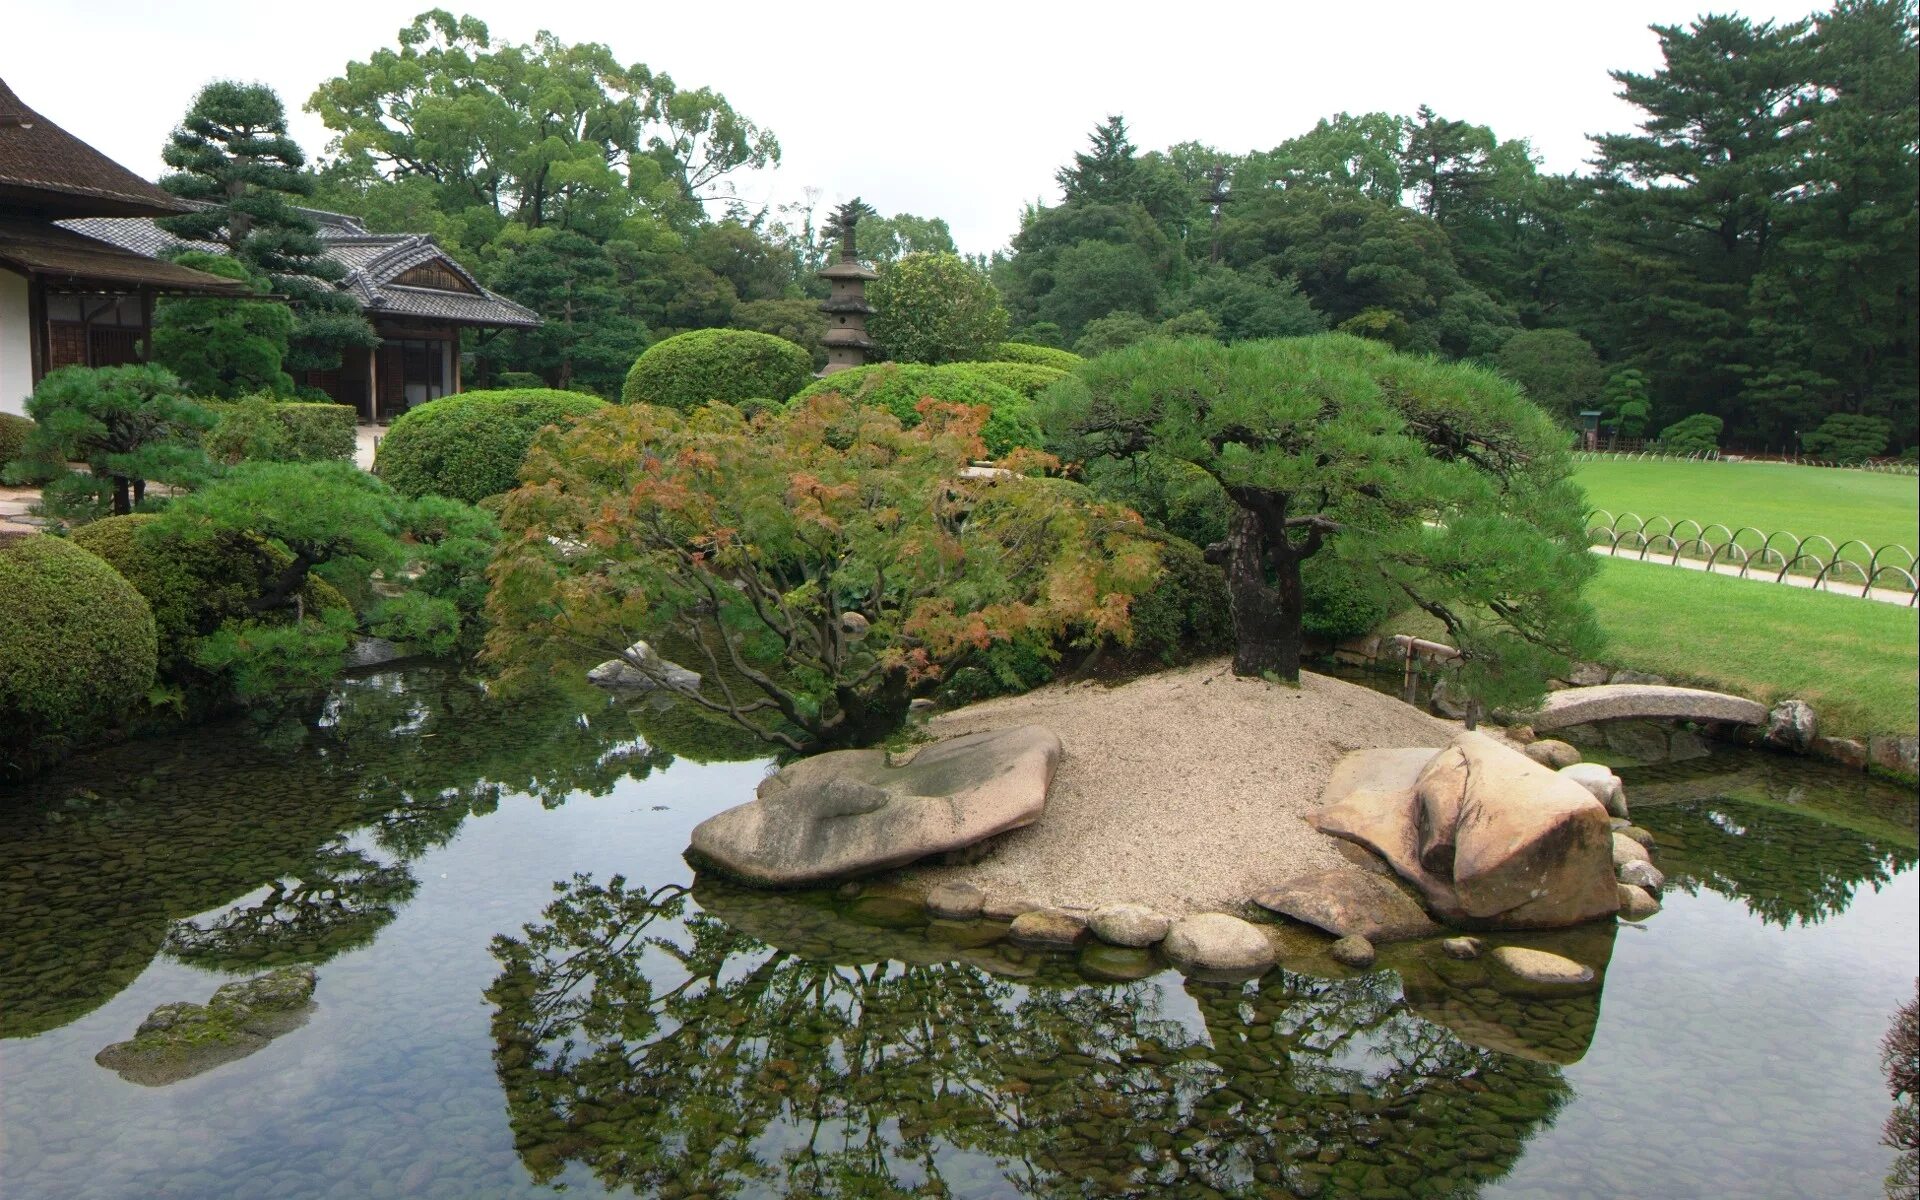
pixel 66 298
pixel 416 296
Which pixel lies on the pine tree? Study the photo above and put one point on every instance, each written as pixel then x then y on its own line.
pixel 232 154
pixel 1109 174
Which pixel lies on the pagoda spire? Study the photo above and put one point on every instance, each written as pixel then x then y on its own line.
pixel 846 304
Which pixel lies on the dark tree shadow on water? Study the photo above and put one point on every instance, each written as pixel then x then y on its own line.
pixel 669 1052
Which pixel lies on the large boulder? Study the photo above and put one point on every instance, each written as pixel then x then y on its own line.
pixel 1490 838
pixel 848 813
pixel 1345 901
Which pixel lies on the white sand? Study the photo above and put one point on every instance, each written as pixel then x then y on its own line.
pixel 1181 790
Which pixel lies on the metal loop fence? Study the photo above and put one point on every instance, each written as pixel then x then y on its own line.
pixel 1887 467
pixel 1755 553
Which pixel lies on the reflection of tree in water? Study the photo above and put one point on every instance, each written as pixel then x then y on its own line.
pixel 1786 867
pixel 667 1051
pixel 103 862
pixel 334 901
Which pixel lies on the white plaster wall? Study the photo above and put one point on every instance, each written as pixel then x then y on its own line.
pixel 16 355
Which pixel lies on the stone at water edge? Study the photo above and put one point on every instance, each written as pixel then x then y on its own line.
pixel 1895 752
pixel 1133 925
pixel 1352 951
pixel 1641 874
pixel 1602 782
pixel 1217 942
pixel 1626 850
pixel 1552 753
pixel 1643 836
pixel 848 813
pixel 1636 903
pixel 956 901
pixel 1791 725
pixel 1845 751
pixel 1638 678
pixel 1541 967
pixel 1463 948
pixel 1348 900
pixel 1587 675
pixel 641 669
pixel 1053 927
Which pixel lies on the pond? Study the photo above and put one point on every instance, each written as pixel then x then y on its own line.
pixel 521 992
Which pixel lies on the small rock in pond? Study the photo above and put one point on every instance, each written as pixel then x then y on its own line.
pixel 1049 927
pixel 1641 874
pixel 1128 924
pixel 956 901
pixel 1602 782
pixel 1540 966
pixel 1636 903
pixel 178 1041
pixel 1217 942
pixel 1626 850
pixel 1552 753
pixel 1353 951
pixel 1461 947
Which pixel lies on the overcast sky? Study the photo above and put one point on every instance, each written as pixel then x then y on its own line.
pixel 961 110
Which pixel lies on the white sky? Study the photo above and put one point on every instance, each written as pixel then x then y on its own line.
pixel 971 106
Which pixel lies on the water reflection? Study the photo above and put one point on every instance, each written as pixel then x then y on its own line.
pixel 670 1051
pixel 1793 845
pixel 306 831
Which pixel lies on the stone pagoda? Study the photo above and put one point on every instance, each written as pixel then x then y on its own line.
pixel 846 304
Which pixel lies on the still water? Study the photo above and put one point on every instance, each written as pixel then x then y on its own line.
pixel 523 992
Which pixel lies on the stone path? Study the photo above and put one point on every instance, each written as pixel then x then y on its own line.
pixel 15 519
pixel 1886 595
pixel 366 438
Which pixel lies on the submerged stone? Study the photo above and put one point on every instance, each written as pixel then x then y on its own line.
pixel 180 1040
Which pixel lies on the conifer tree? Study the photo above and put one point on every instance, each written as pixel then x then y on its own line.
pixel 232 154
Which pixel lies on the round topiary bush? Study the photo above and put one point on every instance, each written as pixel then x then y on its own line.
pixel 1029 379
pixel 899 388
pixel 470 446
pixel 1040 356
pixel 13 435
pixel 694 368
pixel 192 587
pixel 77 646
pixel 1184 615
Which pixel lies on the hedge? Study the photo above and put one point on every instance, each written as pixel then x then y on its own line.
pixel 1040 356
pixel 77 646
pixel 192 587
pixel 1029 379
pixel 470 446
pixel 262 429
pixel 899 388
pixel 13 435
pixel 694 368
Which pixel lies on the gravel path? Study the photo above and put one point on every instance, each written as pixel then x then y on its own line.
pixel 1181 790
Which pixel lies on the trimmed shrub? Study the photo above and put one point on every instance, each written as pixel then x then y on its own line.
pixel 518 379
pixel 1029 379
pixel 77 647
pixel 13 438
pixel 263 429
pixel 1185 614
pixel 703 365
pixel 1697 434
pixel 1848 438
pixel 1039 356
pixel 899 388
pixel 470 446
pixel 935 307
pixel 194 586
pixel 1342 600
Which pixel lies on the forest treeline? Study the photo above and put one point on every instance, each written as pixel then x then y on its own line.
pixel 1748 251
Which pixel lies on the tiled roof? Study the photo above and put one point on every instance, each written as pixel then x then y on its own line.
pixel 61 256
pixel 46 171
pixel 372 262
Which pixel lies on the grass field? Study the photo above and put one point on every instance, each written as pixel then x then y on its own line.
pixel 1772 497
pixel 1855 661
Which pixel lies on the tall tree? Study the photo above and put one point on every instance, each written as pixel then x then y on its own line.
pixel 589 336
pixel 1691 205
pixel 231 152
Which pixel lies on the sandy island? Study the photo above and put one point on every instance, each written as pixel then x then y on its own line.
pixel 1181 790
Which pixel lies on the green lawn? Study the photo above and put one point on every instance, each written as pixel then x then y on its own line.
pixel 1771 497
pixel 1856 661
